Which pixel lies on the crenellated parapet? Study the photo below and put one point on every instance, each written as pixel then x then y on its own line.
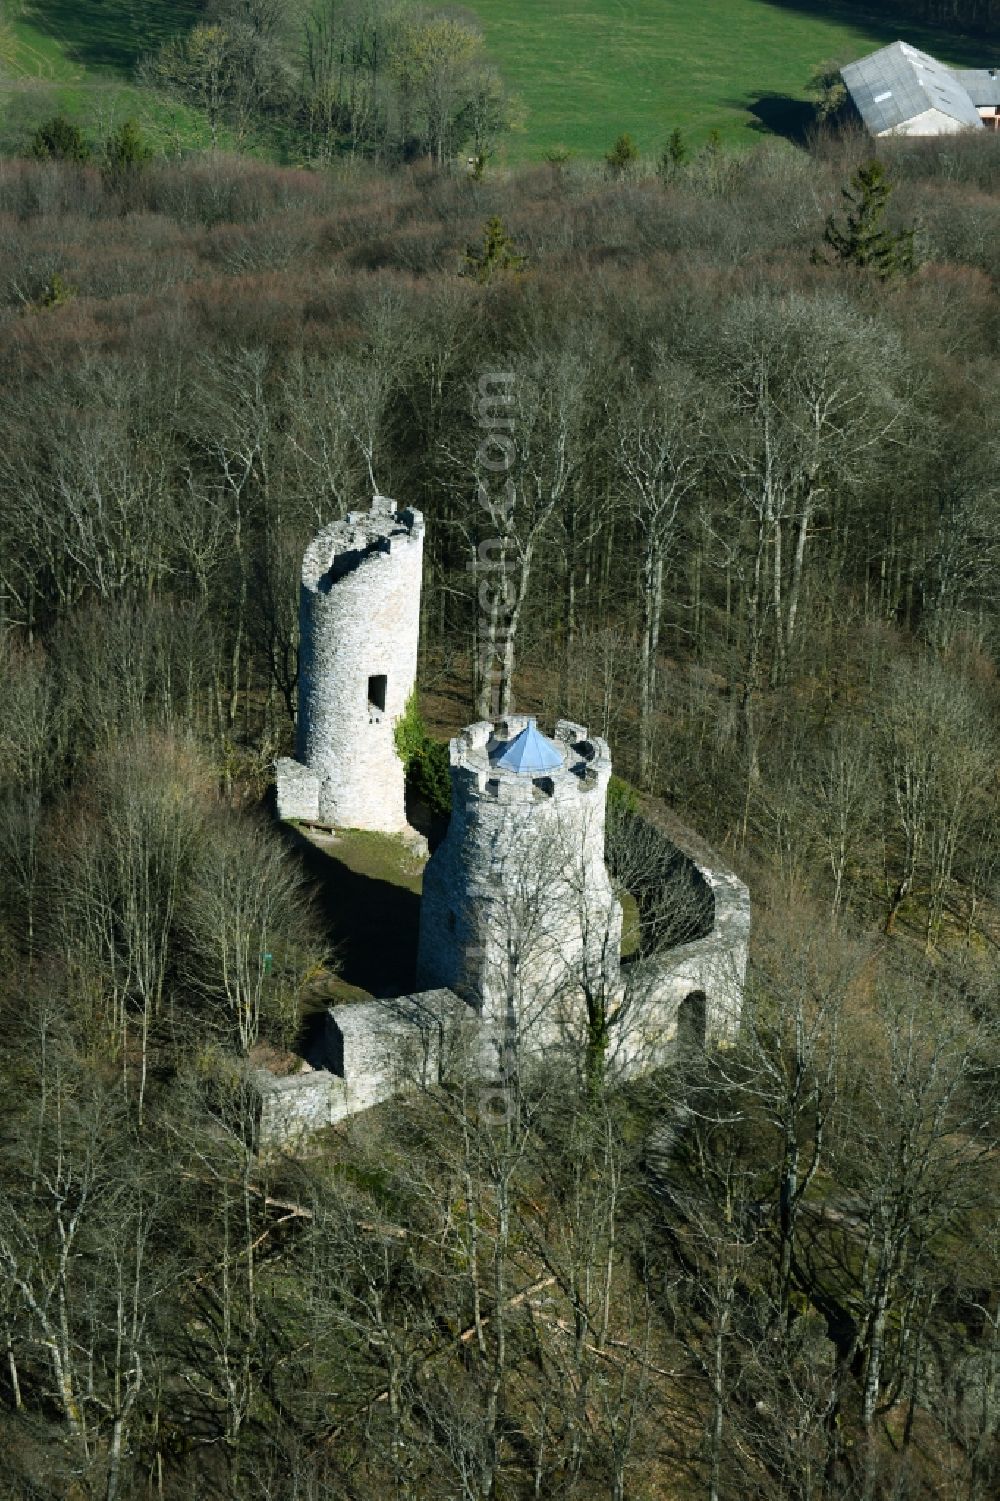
pixel 359 626
pixel 520 925
pixel 518 897
pixel 584 764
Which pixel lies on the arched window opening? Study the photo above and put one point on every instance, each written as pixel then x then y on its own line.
pixel 691 1022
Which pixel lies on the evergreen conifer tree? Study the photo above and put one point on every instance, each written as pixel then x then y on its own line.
pixel 60 140
pixel 677 147
pixel 674 154
pixel 497 252
pixel 863 240
pixel 623 156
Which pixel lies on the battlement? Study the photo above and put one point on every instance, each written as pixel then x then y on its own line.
pixel 359 618
pixel 512 762
pixel 520 921
pixel 362 536
pixel 527 817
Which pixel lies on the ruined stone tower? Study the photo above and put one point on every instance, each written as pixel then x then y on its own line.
pixel 518 908
pixel 520 928
pixel 359 607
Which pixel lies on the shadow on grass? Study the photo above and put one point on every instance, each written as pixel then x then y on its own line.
pixel 373 923
pixel 111 34
pixel 780 115
pixel 891 25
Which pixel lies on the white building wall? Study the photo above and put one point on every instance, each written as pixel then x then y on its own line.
pixel 384 1048
pixel 931 123
pixel 295 1105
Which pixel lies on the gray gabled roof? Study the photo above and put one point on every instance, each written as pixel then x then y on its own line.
pixel 899 82
pixel 981 84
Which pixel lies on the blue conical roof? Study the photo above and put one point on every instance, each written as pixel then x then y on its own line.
pixel 530 753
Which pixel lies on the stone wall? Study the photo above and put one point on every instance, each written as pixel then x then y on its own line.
pixel 382 1048
pixel 298 791
pixel 293 1105
pixel 698 984
pixel 366 1053
pixel 517 903
pixel 359 631
pixel 518 919
pixel 518 916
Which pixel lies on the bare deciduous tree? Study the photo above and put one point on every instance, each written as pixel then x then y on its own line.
pixel 253 940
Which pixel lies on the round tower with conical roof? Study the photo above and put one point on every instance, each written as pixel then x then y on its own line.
pixel 518 911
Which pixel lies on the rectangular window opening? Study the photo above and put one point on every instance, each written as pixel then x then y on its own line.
pixel 376 692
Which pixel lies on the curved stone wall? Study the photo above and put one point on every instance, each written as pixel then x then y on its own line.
pixel 517 903
pixel 359 631
pixel 701 977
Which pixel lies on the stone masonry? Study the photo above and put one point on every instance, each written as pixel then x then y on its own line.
pixel 366 1053
pixel 519 919
pixel 517 907
pixel 692 993
pixel 359 629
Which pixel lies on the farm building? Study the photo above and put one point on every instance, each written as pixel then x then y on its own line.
pixel 983 87
pixel 900 90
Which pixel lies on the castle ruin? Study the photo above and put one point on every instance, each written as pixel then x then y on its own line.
pixel 520 924
pixel 518 909
pixel 359 625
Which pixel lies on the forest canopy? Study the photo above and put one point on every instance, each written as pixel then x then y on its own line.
pixel 754 545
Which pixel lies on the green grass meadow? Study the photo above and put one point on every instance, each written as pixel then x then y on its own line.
pixel 586 70
pixel 77 57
